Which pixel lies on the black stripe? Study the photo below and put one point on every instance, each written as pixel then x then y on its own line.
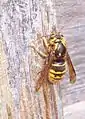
pixel 56 74
pixel 58 69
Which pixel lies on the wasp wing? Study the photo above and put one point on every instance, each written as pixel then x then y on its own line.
pixel 43 76
pixel 44 72
pixel 72 72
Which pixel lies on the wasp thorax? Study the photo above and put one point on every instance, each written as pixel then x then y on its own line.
pixel 60 50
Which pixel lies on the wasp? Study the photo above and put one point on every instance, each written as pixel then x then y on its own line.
pixel 56 60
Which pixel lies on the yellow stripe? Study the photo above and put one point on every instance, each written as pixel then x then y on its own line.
pixel 52 80
pixel 59 64
pixel 52 71
pixel 63 41
pixel 57 77
pixel 53 76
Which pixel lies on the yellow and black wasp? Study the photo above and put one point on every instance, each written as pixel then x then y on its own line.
pixel 54 68
pixel 56 59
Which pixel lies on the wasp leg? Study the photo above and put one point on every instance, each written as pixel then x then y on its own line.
pixel 39 84
pixel 45 43
pixel 41 54
pixel 41 79
pixel 44 40
pixel 43 76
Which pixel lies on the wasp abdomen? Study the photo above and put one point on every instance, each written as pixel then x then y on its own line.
pixel 57 71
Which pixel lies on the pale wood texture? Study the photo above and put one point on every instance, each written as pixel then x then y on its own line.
pixel 6 101
pixel 20 21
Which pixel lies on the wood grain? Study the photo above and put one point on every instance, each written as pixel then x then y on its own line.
pixel 20 21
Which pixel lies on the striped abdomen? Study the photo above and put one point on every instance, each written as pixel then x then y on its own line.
pixel 57 71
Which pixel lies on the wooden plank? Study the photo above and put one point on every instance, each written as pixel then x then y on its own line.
pixel 20 21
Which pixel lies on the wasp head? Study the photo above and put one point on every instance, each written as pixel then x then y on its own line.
pixel 54 38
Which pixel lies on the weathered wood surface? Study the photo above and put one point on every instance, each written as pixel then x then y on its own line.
pixel 20 21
